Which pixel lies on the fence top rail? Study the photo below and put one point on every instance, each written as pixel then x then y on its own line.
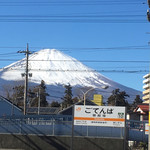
pixel 39 117
pixel 136 121
pixel 55 117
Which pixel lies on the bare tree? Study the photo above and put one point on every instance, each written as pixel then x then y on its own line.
pixel 7 90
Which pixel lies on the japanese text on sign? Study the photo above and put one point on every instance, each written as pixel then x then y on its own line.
pixel 99 116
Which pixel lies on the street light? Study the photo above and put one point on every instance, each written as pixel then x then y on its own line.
pixel 85 93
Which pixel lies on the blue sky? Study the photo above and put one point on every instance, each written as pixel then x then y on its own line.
pixel 113 33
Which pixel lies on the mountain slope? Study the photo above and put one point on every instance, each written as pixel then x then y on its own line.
pixel 58 69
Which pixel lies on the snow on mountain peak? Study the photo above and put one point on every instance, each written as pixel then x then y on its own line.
pixel 57 68
pixel 54 67
pixel 51 55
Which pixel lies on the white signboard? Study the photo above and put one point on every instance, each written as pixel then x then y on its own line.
pixel 146 128
pixel 109 116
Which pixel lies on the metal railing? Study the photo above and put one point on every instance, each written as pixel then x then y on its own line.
pixel 61 125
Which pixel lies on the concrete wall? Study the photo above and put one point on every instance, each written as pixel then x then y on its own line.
pixel 34 142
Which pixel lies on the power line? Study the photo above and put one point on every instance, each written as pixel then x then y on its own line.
pixel 11 47
pixel 68 3
pixel 106 71
pixel 106 61
pixel 145 47
pixel 7 53
pixel 76 20
pixel 68 16
pixel 99 61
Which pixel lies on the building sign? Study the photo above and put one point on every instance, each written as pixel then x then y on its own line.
pixel 109 116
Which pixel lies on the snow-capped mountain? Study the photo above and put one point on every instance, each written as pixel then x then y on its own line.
pixel 58 69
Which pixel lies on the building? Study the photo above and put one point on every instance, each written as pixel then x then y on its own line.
pixel 43 110
pixel 142 110
pixel 98 99
pixel 146 88
pixel 7 108
pixel 140 113
pixel 68 110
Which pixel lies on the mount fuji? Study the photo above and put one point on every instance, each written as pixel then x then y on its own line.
pixel 58 69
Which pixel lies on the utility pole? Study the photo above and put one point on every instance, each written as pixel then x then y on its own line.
pixel 26 74
pixel 39 100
